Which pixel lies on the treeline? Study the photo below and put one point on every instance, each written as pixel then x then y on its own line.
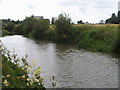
pixel 62 30
pixel 8 26
pixel 114 19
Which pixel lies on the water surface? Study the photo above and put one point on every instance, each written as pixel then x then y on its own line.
pixel 71 67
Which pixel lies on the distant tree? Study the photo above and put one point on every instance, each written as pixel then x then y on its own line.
pixel 39 29
pixel 53 20
pixel 80 22
pixel 87 22
pixel 113 19
pixel 9 26
pixel 119 17
pixel 18 29
pixel 101 22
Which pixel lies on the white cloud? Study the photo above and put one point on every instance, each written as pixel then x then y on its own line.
pixel 86 10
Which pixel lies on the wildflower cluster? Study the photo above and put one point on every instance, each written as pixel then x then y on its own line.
pixel 14 78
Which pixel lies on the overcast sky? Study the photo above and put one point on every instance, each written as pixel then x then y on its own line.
pixel 87 10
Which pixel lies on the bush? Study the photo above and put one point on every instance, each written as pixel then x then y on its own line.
pixel 101 39
pixel 40 26
pixel 18 29
pixel 15 72
pixel 63 27
pixel 4 32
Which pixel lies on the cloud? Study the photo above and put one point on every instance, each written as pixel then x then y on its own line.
pixel 30 6
pixel 86 10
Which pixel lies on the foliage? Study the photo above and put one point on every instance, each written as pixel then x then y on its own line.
pixel 117 46
pixel 113 19
pixel 63 27
pixel 40 26
pixel 98 37
pixel 15 72
pixel 28 25
pixel 35 27
pixel 80 22
pixel 53 21
pixel 4 32
pixel 18 29
pixel 51 33
pixel 102 39
pixel 9 25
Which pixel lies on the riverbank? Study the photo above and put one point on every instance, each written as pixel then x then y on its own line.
pixel 98 38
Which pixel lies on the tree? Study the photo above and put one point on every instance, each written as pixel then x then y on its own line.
pixel 119 17
pixel 9 26
pixel 80 22
pixel 63 27
pixel 53 21
pixel 101 22
pixel 28 25
pixel 48 20
pixel 18 29
pixel 39 29
pixel 113 19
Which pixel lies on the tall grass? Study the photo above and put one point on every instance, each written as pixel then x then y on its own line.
pixel 101 38
pixel 97 38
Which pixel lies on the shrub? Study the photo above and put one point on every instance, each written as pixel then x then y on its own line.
pixel 40 26
pixel 4 32
pixel 63 27
pixel 15 72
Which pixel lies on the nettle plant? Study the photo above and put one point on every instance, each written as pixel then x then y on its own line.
pixel 17 79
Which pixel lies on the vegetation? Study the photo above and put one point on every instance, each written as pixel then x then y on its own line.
pixel 15 72
pixel 114 19
pixel 4 33
pixel 97 37
pixel 63 27
pixel 80 22
pixel 102 38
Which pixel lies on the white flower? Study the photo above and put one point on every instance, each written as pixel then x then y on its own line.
pixel 5 83
pixel 28 70
pixel 28 79
pixel 39 69
pixel 27 84
pixel 36 80
pixel 26 66
pixel 31 82
pixel 8 76
pixel 23 76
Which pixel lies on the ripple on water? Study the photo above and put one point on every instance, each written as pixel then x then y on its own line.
pixel 71 67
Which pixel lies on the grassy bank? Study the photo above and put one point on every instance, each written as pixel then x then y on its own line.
pixel 4 33
pixel 101 38
pixel 97 38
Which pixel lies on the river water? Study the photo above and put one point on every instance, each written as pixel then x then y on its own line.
pixel 71 68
